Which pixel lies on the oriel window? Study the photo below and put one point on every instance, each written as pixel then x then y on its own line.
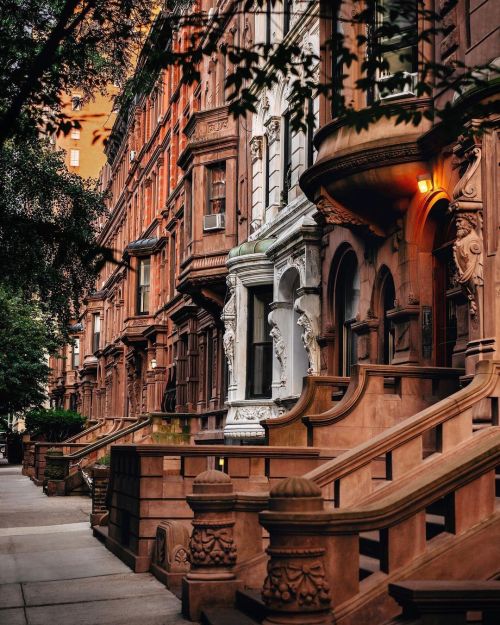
pixel 216 203
pixel 143 284
pixel 259 367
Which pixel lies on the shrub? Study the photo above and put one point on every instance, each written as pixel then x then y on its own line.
pixel 54 424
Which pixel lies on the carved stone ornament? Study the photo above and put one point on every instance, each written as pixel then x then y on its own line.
pixel 252 413
pixel 229 318
pixel 296 584
pixel 468 256
pixel 299 262
pixel 279 350
pixel 133 385
pixel 273 129
pixel 467 209
pixel 310 343
pixel 337 215
pixel 256 148
pixel 212 545
pixel 171 547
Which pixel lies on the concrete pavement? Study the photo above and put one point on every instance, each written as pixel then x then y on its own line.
pixel 54 572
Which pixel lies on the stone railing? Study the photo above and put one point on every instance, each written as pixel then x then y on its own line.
pixel 404 448
pixel 71 461
pixel 315 557
pixel 319 393
pixel 150 483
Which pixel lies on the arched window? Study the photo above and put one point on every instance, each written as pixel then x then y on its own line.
pixel 387 295
pixel 346 309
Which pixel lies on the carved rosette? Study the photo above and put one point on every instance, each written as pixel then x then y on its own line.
pixel 212 545
pixel 296 580
pixel 171 548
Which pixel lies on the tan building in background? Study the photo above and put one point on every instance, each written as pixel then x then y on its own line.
pixel 85 146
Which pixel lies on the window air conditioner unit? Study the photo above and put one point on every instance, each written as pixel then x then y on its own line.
pixel 407 90
pixel 214 222
pixel 132 155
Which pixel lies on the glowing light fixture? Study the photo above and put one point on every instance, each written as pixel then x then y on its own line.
pixel 153 363
pixel 424 182
pixel 221 462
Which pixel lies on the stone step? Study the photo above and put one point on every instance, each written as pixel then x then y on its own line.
pixel 250 602
pixel 369 544
pixel 434 525
pixel 225 616
pixel 367 566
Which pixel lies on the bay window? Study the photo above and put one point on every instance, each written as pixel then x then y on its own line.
pixel 260 344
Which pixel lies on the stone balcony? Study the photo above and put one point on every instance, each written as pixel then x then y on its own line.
pixel 381 163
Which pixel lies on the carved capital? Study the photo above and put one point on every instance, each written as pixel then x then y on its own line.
pixel 273 129
pixel 256 148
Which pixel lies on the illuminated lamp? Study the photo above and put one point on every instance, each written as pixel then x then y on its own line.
pixel 424 182
pixel 153 363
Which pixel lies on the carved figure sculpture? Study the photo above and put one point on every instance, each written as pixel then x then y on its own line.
pixel 229 318
pixel 468 256
pixel 308 339
pixel 280 351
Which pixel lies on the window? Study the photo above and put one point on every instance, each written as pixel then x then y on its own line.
pixel 74 158
pixel 337 64
pixel 75 133
pixel 96 331
pixel 397 51
pixel 287 159
pixel 216 189
pixel 260 357
pixel 143 286
pixel 311 126
pixel 76 103
pixel 75 354
pixel 287 14
pixel 268 23
pixel 267 169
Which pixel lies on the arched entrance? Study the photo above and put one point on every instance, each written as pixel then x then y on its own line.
pixel 450 318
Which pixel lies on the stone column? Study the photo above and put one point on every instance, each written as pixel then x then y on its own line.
pixel 296 590
pixel 211 580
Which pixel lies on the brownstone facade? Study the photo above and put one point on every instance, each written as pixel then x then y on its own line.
pixel 149 338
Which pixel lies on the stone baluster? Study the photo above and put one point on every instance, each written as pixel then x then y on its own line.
pixel 296 589
pixel 211 580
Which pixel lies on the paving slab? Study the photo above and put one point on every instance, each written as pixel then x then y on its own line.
pixel 54 572
pixel 11 596
pixel 13 617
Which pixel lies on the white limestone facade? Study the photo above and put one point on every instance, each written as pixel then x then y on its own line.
pixel 277 272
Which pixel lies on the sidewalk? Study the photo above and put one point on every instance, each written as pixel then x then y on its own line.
pixel 54 572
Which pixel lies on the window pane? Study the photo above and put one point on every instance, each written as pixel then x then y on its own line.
pixel 216 189
pixel 259 343
pixel 75 158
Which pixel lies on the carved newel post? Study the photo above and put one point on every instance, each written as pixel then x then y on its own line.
pixel 56 471
pixel 212 550
pixel 296 590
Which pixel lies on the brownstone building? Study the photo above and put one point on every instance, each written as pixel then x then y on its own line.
pixel 150 336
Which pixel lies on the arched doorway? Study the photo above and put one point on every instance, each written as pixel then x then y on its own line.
pixel 346 302
pixel 450 317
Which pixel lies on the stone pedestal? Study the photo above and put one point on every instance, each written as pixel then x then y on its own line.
pixel 296 589
pixel 56 471
pixel 211 580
